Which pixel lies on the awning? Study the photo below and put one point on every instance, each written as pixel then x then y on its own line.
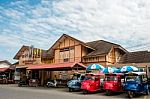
pixel 19 67
pixel 58 66
pixel 3 69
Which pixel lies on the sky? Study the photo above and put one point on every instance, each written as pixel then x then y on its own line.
pixel 42 22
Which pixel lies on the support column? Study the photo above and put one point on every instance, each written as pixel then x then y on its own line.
pixel 42 77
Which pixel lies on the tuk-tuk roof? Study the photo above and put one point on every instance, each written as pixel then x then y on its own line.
pixel 95 74
pixel 137 73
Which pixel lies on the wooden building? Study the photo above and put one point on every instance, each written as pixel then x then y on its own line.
pixel 67 54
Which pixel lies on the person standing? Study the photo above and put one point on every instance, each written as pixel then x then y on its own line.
pixel 55 81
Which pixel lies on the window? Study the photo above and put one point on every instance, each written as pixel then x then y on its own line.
pixel 141 69
pixel 111 78
pixel 132 78
pixel 66 59
pixel 22 56
pixel 64 49
pixel 66 53
pixel 82 77
pixel 96 58
pixel 71 48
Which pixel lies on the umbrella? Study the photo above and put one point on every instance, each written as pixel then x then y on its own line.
pixel 108 70
pixel 128 69
pixel 116 70
pixel 94 67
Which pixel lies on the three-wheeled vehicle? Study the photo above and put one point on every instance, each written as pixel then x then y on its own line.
pixel 23 81
pixel 75 82
pixel 135 83
pixel 33 82
pixel 92 83
pixel 113 82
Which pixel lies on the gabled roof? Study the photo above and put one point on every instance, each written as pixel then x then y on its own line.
pixel 99 47
pixel 50 51
pixel 136 57
pixel 102 47
pixel 5 61
pixel 24 47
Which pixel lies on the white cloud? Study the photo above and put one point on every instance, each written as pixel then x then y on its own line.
pixel 126 22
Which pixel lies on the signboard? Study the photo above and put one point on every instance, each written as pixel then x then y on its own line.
pixel 29 61
pixel 17 78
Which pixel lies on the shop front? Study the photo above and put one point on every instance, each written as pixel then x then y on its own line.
pixel 6 75
pixel 19 72
pixel 61 72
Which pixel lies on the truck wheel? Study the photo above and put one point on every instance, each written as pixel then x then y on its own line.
pixel 85 91
pixel 19 85
pixel 108 92
pixel 130 94
pixel 70 89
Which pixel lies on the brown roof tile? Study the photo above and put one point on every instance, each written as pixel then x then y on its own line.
pixel 136 57
pixel 101 47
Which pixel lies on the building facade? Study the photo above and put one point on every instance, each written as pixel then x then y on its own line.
pixel 66 55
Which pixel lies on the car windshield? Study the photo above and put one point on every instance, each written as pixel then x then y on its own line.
pixel 76 76
pixel 132 78
pixel 88 78
pixel 111 78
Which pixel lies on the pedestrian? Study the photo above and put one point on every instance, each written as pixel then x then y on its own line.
pixel 55 81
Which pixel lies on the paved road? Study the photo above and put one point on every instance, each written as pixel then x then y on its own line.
pixel 14 92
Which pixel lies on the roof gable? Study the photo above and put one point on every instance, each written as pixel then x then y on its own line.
pixel 23 48
pixel 63 37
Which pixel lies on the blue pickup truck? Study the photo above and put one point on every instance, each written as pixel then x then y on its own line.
pixel 75 82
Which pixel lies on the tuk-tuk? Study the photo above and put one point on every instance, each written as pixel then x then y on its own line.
pixel 23 81
pixel 92 83
pixel 113 82
pixel 135 83
pixel 75 82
